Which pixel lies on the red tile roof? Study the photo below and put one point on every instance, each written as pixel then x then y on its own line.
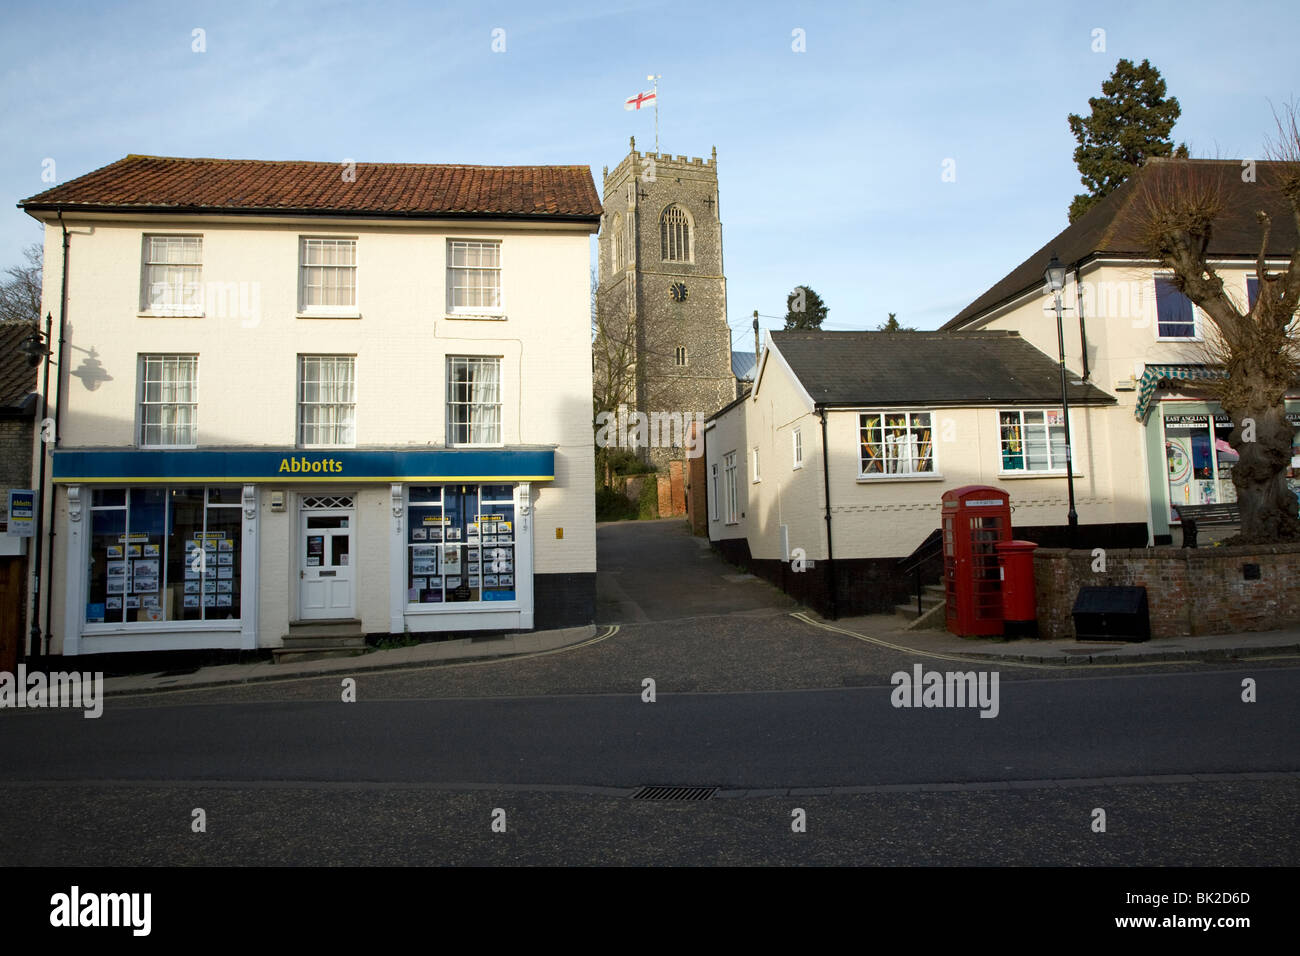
pixel 171 184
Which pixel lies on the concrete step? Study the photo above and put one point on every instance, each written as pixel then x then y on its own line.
pixel 932 596
pixel 285 655
pixel 298 641
pixel 327 627
pixel 317 640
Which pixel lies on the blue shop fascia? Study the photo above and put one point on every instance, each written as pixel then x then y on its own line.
pixel 232 548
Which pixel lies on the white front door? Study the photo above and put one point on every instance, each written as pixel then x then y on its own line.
pixel 326 570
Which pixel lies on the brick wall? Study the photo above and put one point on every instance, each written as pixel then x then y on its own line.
pixel 15 453
pixel 696 490
pixel 1189 591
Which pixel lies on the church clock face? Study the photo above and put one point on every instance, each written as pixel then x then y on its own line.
pixel 677 291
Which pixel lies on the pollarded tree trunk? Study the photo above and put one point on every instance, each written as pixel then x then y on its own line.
pixel 1267 505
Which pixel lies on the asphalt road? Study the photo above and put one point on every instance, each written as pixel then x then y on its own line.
pixel 780 714
pixel 1089 727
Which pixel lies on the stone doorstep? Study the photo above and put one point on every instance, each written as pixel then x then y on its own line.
pixel 301 654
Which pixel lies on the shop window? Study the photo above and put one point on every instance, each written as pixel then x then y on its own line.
pixel 894 443
pixel 1032 440
pixel 1199 460
pixel 461 542
pixel 164 554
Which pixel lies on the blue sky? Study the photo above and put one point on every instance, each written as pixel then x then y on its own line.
pixel 830 160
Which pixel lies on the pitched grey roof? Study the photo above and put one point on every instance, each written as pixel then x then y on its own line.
pixel 927 368
pixel 1112 227
pixel 742 365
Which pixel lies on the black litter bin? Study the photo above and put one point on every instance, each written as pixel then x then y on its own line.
pixel 1112 614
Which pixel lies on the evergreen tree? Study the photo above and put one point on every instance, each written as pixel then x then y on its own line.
pixel 804 309
pixel 893 325
pixel 1130 122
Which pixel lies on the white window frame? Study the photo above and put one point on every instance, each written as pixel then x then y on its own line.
pixel 713 511
pixel 301 404
pixel 498 404
pixel 147 305
pixel 1198 321
pixel 796 437
pixel 496 311
pixel 333 311
pixel 933 474
pixel 143 361
pixel 729 488
pixel 1054 469
pixel 757 477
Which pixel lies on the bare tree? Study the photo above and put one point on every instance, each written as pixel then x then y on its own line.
pixel 636 364
pixel 1256 348
pixel 20 291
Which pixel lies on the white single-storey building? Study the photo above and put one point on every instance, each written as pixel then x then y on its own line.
pixel 849 439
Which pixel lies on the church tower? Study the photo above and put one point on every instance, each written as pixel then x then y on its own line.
pixel 662 297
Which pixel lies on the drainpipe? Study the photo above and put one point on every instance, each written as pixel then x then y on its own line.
pixel 58 433
pixel 1083 330
pixel 34 640
pixel 830 548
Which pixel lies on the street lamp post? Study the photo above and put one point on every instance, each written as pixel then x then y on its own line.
pixel 37 349
pixel 1055 276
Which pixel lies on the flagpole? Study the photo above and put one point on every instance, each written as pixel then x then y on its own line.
pixel 656 77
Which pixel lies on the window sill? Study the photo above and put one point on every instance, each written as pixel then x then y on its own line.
pixel 479 607
pixel 1014 475
pixel 1178 338
pixel 477 317
pixel 887 479
pixel 797 468
pixel 328 315
pixel 167 447
pixel 116 629
pixel 170 315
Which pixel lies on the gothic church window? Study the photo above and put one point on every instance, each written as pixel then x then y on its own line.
pixel 620 253
pixel 675 234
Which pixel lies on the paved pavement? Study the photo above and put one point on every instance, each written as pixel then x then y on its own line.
pixel 668 607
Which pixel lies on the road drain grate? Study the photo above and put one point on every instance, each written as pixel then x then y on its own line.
pixel 674 793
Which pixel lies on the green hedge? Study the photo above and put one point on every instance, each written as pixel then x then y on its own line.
pixel 648 503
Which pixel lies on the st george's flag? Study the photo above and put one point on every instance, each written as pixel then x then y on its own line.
pixel 641 99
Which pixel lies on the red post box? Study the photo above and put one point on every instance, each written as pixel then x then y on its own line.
pixel 975 519
pixel 1019 603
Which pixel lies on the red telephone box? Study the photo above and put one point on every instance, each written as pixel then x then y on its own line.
pixel 975 519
